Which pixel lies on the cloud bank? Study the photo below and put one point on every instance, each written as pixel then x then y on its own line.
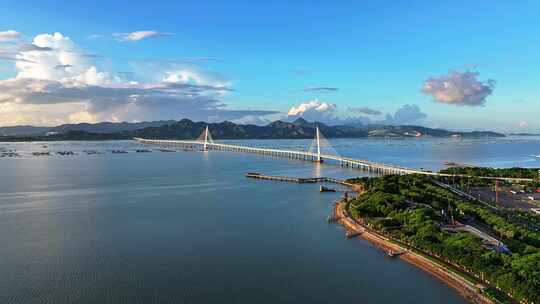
pixel 459 88
pixel 56 82
pixel 315 110
pixel 9 35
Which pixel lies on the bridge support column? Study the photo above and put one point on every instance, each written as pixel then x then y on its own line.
pixel 205 146
pixel 318 137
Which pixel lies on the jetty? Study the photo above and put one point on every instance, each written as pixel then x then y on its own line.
pixel 302 180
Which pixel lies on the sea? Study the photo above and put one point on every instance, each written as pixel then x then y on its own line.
pixel 189 227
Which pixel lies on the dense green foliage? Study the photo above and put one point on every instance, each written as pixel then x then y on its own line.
pixel 502 172
pixel 409 209
pixel 493 172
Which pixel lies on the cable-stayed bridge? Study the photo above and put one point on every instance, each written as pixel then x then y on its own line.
pixel 319 151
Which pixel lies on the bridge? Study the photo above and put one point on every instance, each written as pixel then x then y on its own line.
pixel 205 142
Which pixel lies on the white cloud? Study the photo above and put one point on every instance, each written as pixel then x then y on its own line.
pixel 37 64
pixel 9 35
pixel 139 35
pixel 325 112
pixel 312 108
pixel 187 76
pixel 459 88
pixel 58 83
pixel 315 110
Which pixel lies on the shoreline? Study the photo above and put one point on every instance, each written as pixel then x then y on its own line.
pixel 465 288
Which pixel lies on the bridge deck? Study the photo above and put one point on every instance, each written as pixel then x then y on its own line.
pixel 366 165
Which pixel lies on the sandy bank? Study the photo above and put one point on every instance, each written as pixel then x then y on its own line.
pixel 464 287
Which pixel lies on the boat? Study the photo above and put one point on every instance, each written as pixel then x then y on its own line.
pixel 326 189
pixel 65 153
pixel 41 153
pixel 392 253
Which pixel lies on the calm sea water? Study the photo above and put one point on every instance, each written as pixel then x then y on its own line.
pixel 188 227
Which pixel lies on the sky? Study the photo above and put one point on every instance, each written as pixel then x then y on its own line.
pixel 463 65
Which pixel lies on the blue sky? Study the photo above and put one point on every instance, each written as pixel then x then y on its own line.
pixel 323 60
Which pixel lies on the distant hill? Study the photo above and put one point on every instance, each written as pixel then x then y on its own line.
pixel 227 130
pixel 101 127
pixel 524 134
pixel 110 127
pixel 297 129
pixel 418 131
pixel 187 129
pixel 23 130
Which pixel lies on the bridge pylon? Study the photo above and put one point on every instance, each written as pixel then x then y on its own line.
pixel 205 138
pixel 317 145
pixel 318 138
pixel 205 146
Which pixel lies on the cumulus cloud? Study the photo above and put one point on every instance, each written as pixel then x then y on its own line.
pixel 320 89
pixel 139 35
pixel 313 108
pixel 325 112
pixel 407 114
pixel 365 110
pixel 459 88
pixel 9 35
pixel 47 52
pixel 59 83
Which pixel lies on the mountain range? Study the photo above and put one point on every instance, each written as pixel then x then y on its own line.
pixel 187 129
pixel 102 127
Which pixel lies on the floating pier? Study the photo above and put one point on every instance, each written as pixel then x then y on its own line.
pixel 302 180
pixel 298 180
